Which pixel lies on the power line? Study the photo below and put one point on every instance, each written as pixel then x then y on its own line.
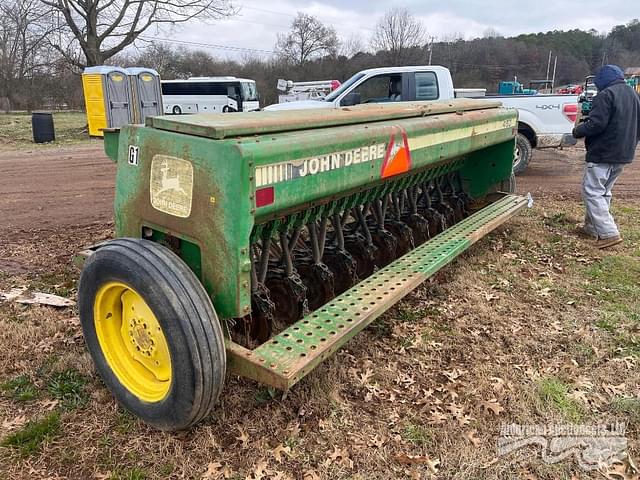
pixel 253 21
pixel 207 45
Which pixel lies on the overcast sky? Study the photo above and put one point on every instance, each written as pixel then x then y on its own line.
pixel 258 22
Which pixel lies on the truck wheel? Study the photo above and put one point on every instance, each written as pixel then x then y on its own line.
pixel 152 332
pixel 177 110
pixel 523 154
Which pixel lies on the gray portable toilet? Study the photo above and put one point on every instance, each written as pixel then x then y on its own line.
pixel 108 98
pixel 147 92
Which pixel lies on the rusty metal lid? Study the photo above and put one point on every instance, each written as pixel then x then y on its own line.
pixel 225 125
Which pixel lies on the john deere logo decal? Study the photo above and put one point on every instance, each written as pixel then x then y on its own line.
pixel 292 169
pixel 171 185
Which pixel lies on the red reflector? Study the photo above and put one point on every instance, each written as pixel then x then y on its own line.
pixel 570 111
pixel 265 196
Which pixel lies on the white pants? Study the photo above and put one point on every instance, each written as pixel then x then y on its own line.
pixel 598 182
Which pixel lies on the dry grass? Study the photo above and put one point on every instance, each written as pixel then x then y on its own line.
pixel 532 326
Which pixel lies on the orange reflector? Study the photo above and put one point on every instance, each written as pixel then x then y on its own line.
pixel 398 157
pixel 265 196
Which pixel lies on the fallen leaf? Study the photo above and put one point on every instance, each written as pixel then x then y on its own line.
pixel 433 465
pixel 377 441
pixel 579 395
pixel 279 450
pixel 243 437
pixel 472 437
pixel 294 430
pixel 214 471
pixel 584 382
pixel 619 471
pixel 490 463
pixel 363 378
pixel 259 472
pixel 16 422
pixel 615 390
pixel 310 475
pixel 280 476
pixel 437 418
pixel 414 474
pixel 454 374
pixel 493 405
pixel 48 404
pixel 21 295
pixel 497 383
pixel 406 459
pixel 341 457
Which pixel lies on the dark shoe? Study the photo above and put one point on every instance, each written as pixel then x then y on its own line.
pixel 608 242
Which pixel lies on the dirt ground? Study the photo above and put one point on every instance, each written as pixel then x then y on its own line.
pixel 557 174
pixel 57 187
pixel 531 326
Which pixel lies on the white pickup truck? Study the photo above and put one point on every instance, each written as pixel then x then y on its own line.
pixel 545 121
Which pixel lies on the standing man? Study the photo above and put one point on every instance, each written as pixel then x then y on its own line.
pixel 611 132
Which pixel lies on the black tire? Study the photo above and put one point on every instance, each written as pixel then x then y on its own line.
pixel 228 109
pixel 523 154
pixel 188 321
pixel 177 110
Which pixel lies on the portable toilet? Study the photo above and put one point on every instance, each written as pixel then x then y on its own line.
pixel 147 93
pixel 107 96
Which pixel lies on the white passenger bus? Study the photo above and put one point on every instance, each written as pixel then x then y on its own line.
pixel 209 94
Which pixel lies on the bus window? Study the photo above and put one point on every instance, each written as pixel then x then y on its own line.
pixel 249 92
pixel 233 91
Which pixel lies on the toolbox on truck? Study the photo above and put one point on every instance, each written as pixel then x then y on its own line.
pixel 262 242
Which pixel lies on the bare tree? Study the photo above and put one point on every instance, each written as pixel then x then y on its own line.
pixel 102 28
pixel 307 39
pixel 24 25
pixel 352 46
pixel 397 32
pixel 491 33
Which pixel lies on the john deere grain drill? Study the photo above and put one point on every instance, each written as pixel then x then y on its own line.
pixel 262 242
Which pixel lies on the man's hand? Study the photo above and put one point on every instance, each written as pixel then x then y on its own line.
pixel 577 133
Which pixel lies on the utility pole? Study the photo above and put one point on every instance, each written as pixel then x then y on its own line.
pixel 553 81
pixel 548 65
pixel 430 48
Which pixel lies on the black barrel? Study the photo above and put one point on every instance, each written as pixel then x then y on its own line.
pixel 42 126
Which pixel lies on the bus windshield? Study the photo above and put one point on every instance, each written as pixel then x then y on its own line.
pixel 345 86
pixel 249 91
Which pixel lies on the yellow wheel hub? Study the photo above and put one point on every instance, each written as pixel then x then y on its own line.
pixel 132 341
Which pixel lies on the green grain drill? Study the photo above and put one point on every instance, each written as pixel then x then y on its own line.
pixel 260 243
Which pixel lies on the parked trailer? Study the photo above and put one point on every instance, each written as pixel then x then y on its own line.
pixel 261 243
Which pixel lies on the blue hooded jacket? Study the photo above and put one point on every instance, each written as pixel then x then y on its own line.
pixel 612 129
pixel 607 75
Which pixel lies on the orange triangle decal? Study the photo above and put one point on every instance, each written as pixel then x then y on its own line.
pixel 398 157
